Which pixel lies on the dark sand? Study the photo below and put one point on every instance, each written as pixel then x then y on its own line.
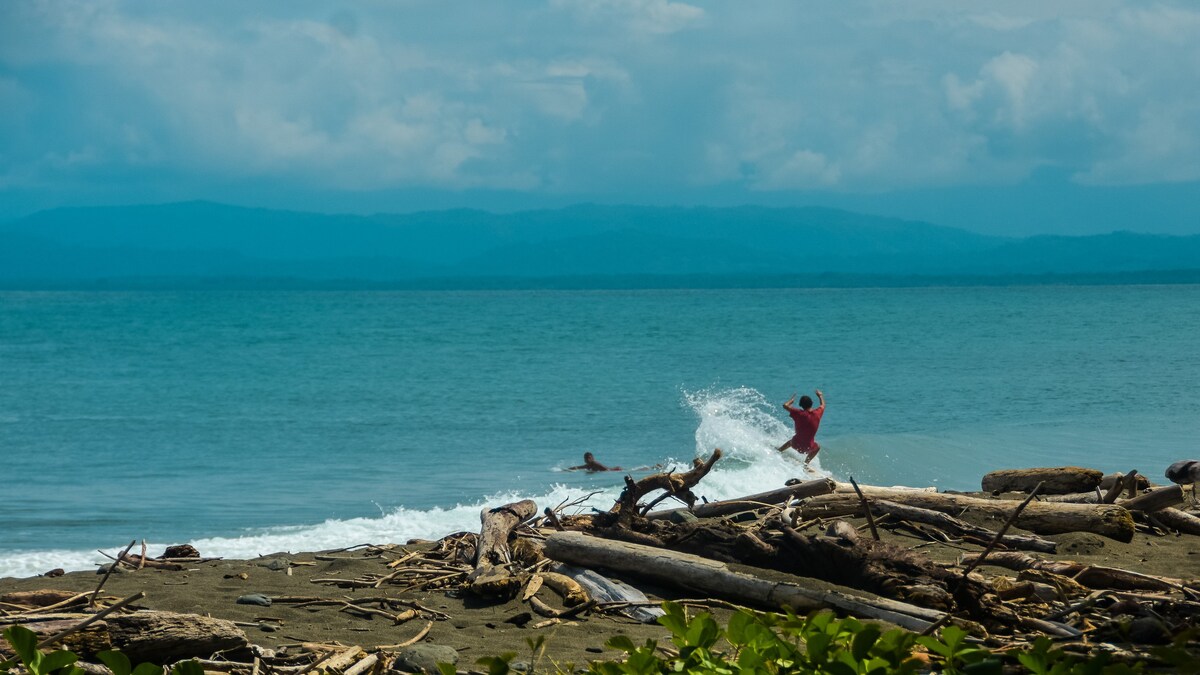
pixel 478 629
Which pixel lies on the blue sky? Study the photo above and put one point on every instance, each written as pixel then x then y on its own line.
pixel 1014 117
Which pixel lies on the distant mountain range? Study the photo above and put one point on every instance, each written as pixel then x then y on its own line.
pixel 202 242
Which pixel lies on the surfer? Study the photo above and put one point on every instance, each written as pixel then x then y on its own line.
pixel 807 420
pixel 590 464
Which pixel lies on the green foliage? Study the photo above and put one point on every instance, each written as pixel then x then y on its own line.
pixel 189 667
pixel 766 643
pixel 769 644
pixel 62 662
pixel 24 643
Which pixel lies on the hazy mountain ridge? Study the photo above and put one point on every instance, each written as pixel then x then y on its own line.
pixel 208 240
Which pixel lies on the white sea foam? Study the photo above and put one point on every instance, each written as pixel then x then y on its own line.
pixel 739 421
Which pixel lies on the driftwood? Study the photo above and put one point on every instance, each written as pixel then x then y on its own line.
pixel 961 528
pixel 1092 576
pixel 1177 520
pixel 1122 483
pixel 1080 498
pixel 41 598
pixel 1141 482
pixel 1040 517
pixel 164 637
pixel 803 490
pixel 139 562
pixel 1056 480
pixel 678 485
pixel 1155 500
pixel 682 570
pixel 566 587
pixel 493 575
pixel 157 637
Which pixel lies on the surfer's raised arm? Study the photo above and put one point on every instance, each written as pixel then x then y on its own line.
pixel 820 397
pixel 788 404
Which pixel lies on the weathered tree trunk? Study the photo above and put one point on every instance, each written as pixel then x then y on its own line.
pixel 493 576
pixel 164 637
pixel 86 642
pixel 961 528
pixel 1077 498
pixel 682 570
pixel 803 490
pixel 40 598
pixel 1109 520
pixel 1178 520
pixel 1055 481
pixel 1155 500
pixel 157 637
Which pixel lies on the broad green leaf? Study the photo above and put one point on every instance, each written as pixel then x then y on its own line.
pixel 621 642
pixel 866 638
pixel 189 667
pixel 839 668
pixel 935 645
pixel 818 647
pixel 117 662
pixel 736 631
pixel 151 669
pixel 56 660
pixel 24 643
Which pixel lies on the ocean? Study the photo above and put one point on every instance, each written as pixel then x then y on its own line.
pixel 253 422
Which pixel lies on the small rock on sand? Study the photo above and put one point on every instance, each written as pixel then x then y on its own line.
pixel 424 658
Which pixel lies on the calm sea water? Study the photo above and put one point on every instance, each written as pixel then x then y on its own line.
pixel 254 422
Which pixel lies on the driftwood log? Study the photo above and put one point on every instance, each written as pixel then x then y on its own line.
pixel 164 637
pixel 1156 499
pixel 677 485
pixel 682 570
pixel 961 528
pixel 44 597
pixel 1092 576
pixel 783 495
pixel 1122 483
pixel 1175 519
pixel 157 637
pixel 493 576
pixel 1055 480
pixel 1142 483
pixel 1108 520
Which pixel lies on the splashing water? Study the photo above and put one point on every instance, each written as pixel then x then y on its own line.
pixel 741 422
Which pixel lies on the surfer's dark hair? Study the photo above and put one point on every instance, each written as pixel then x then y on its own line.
pixel 805 402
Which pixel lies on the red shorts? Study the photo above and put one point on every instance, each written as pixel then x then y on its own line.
pixel 811 449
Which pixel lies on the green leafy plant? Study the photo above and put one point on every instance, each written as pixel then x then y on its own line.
pixel 119 664
pixel 24 644
pixel 62 662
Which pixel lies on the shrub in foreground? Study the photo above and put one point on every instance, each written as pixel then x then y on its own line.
pixel 772 644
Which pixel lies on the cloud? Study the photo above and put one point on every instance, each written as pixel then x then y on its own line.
pixel 640 16
pixel 599 96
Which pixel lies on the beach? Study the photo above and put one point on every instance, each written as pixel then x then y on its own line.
pixel 476 627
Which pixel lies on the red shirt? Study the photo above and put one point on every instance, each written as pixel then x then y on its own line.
pixel 807 422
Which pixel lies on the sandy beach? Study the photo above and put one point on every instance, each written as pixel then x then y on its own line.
pixel 474 628
pixel 477 628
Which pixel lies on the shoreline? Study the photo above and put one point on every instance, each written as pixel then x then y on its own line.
pixel 476 628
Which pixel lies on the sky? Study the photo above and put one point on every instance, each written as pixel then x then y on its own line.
pixel 1069 117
